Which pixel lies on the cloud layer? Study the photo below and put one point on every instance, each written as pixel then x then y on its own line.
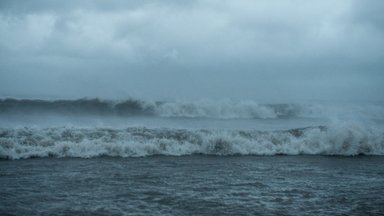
pixel 262 49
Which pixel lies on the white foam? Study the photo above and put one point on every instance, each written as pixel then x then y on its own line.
pixel 136 142
pixel 224 109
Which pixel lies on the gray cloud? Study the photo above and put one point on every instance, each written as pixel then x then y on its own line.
pixel 277 50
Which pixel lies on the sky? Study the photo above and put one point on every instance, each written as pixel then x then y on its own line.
pixel 267 50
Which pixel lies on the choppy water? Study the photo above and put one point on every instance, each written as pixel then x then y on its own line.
pixel 97 157
pixel 194 185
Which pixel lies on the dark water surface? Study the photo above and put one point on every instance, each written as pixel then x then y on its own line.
pixel 193 185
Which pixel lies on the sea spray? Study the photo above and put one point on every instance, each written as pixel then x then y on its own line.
pixel 217 109
pixel 140 141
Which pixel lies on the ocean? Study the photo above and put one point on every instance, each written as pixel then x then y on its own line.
pixel 206 157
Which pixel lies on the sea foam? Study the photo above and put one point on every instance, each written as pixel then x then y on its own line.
pixel 140 141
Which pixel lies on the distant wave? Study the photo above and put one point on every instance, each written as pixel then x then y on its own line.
pixel 74 107
pixel 138 142
pixel 133 107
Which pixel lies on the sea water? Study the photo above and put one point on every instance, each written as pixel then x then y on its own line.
pixel 132 157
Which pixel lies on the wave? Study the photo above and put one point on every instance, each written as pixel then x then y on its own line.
pixel 224 109
pixel 24 143
pixel 73 107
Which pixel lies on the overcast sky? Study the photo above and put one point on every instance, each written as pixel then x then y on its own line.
pixel 269 50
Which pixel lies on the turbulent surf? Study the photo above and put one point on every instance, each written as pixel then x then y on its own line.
pixel 83 128
pixel 134 142
pixel 224 109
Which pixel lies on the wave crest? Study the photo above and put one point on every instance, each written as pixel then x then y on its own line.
pixel 135 142
pixel 133 107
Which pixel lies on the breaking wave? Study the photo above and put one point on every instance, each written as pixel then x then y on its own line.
pixel 140 141
pixel 200 109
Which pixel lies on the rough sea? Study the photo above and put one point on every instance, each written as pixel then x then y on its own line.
pixel 207 157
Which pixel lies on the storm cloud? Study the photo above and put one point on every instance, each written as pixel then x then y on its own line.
pixel 262 50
